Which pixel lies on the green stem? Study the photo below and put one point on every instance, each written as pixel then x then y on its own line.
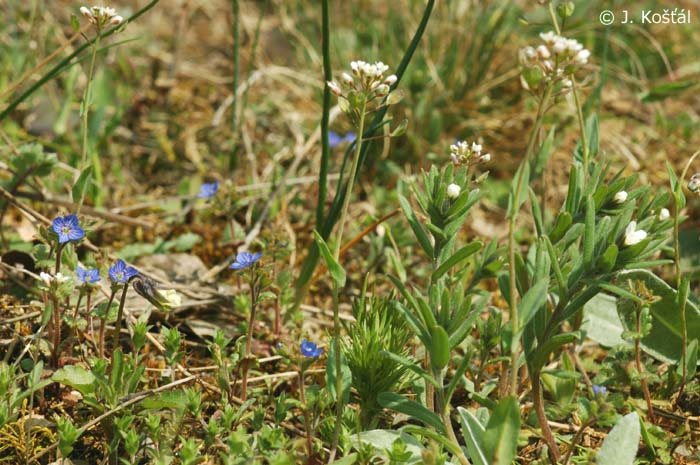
pixel 538 403
pixel 86 102
pixel 679 272
pixel 444 412
pixel 325 144
pixel 120 314
pixel 514 317
pixel 236 71
pixel 336 255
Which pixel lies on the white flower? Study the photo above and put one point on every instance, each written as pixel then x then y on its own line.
pixel 390 79
pixel 60 278
pixel 46 278
pixel 559 46
pixel 543 52
pixel 382 90
pixel 453 191
pixel 582 57
pixel 101 15
pixel 620 197
pixel 664 214
pixel 633 235
pixel 334 88
pixel 567 83
pixel 485 158
pixel 548 37
pixel 476 147
pixel 347 79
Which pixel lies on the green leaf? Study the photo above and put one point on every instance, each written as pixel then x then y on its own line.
pixel 501 435
pixel 589 234
pixel 406 363
pixel 473 432
pixel 665 90
pixel 439 347
pixel 383 440
pixel 532 301
pixel 349 459
pixel 416 226
pixel 459 256
pixel 664 341
pixel 516 199
pixel 81 185
pixel 344 372
pixel 337 271
pixel 413 409
pixel 601 322
pixel 76 377
pixel 620 445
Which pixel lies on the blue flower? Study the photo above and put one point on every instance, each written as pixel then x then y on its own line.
pixel 208 190
pixel 350 137
pixel 244 260
pixel 600 390
pixel 87 276
pixel 121 273
pixel 334 139
pixel 68 228
pixel 310 349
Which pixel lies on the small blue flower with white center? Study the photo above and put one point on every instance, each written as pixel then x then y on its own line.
pixel 310 349
pixel 90 276
pixel 121 273
pixel 208 190
pixel 245 260
pixel 601 391
pixel 68 228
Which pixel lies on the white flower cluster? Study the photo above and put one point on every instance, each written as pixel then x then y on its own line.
pixel 633 235
pixel 556 59
pixel 368 78
pixel 463 153
pixel 101 15
pixel 48 278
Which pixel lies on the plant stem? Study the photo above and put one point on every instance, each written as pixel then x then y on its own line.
pixel 325 145
pixel 307 420
pixel 86 103
pixel 444 411
pixel 679 273
pixel 249 339
pixel 640 367
pixel 233 161
pixel 336 309
pixel 103 322
pixel 514 317
pixel 120 314
pixel 538 402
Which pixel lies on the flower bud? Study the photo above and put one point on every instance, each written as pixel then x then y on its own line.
pixel 334 88
pixel 694 184
pixel 664 214
pixel 116 20
pixel 453 191
pixel 390 80
pixel 620 197
pixel 347 79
